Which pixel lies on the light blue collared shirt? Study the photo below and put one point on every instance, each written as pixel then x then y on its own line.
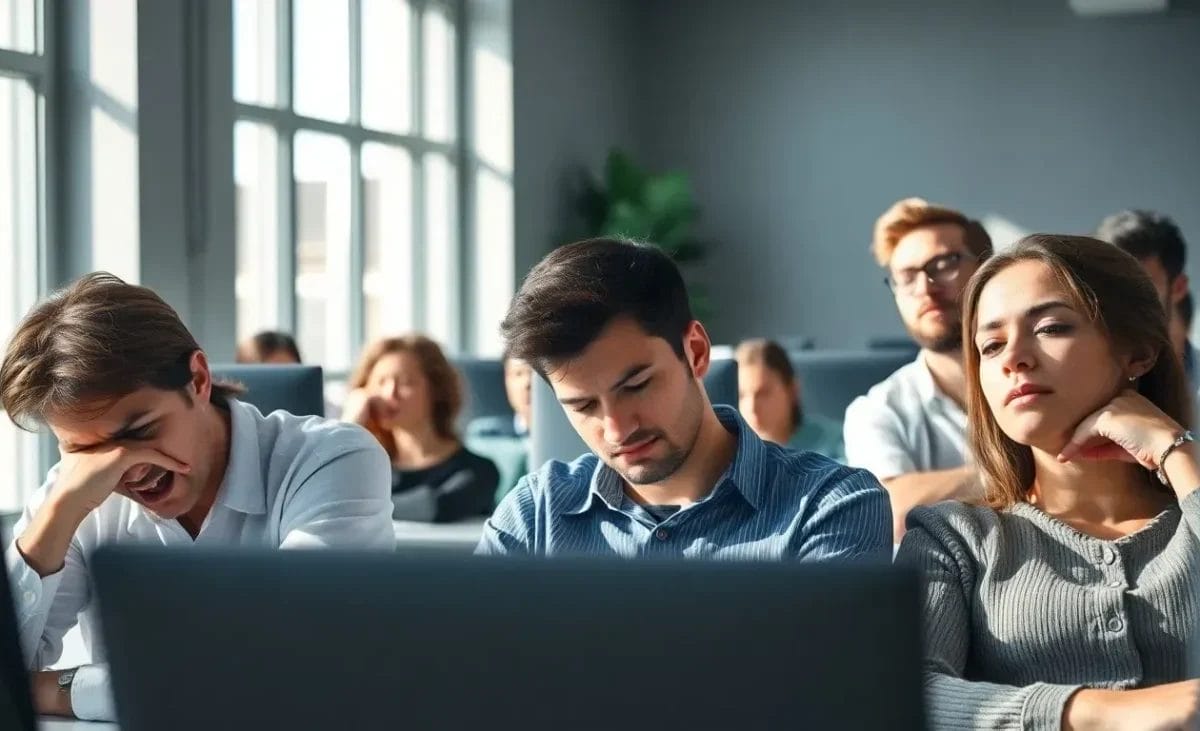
pixel 771 503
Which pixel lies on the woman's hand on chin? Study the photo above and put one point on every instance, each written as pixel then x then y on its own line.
pixel 1129 428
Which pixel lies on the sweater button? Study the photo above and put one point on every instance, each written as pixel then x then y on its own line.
pixel 1115 624
pixel 1110 556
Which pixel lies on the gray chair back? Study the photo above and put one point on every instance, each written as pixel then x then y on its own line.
pixel 551 434
pixel 483 382
pixel 297 389
pixel 721 382
pixel 831 379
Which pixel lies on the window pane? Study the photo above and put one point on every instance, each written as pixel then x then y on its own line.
pixel 439 74
pixel 442 279
pixel 255 171
pixel 492 95
pixel 387 261
pixel 18 25
pixel 322 170
pixel 255 23
pixel 19 275
pixel 387 85
pixel 321 53
pixel 494 280
pixel 112 71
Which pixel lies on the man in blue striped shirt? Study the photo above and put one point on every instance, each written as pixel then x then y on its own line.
pixel 608 324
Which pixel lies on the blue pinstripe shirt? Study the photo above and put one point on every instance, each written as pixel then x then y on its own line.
pixel 771 503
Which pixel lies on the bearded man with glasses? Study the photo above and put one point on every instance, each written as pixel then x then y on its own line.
pixel 910 430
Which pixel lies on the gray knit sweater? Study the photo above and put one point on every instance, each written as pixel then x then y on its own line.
pixel 1021 610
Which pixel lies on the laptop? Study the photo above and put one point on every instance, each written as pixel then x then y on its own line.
pixel 16 702
pixel 336 640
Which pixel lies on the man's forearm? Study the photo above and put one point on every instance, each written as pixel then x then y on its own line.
pixel 926 488
pixel 45 541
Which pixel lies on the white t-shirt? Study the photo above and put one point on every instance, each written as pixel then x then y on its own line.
pixel 905 424
pixel 291 482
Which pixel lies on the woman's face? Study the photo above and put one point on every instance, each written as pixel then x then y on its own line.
pixel 1043 366
pixel 398 380
pixel 765 402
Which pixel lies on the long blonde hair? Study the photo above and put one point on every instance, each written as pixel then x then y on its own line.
pixel 1112 290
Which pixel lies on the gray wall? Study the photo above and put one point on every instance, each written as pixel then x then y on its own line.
pixel 801 121
pixel 572 100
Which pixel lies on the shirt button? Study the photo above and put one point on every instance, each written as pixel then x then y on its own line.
pixel 1115 624
pixel 1110 556
pixel 30 597
pixel 661 534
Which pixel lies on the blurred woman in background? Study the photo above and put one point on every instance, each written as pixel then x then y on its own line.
pixel 770 401
pixel 407 394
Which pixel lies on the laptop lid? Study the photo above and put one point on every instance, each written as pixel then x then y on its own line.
pixel 345 640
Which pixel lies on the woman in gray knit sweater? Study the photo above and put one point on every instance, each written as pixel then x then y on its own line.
pixel 1069 600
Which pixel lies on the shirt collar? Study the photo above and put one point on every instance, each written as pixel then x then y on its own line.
pixel 744 474
pixel 242 488
pixel 930 393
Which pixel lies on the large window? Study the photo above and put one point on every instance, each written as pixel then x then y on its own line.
pixel 24 74
pixel 348 147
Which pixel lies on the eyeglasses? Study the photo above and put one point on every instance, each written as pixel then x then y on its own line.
pixel 941 270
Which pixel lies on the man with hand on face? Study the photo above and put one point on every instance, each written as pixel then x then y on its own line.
pixel 153 450
pixel 910 430
pixel 607 323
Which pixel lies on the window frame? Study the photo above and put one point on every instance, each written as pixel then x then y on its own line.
pixel 283 119
pixel 39 68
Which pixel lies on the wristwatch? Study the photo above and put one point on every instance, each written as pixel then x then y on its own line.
pixel 65 678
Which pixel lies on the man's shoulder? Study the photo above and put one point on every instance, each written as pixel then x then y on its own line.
pixel 286 438
pixel 800 477
pixel 558 484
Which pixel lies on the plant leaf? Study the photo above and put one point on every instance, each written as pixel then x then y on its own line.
pixel 624 179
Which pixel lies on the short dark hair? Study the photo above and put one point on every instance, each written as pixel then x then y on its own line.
pixel 572 294
pixel 261 345
pixel 1145 235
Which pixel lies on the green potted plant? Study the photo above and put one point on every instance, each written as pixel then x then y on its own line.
pixel 629 202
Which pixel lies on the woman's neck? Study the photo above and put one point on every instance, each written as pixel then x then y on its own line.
pixel 421 446
pixel 1102 494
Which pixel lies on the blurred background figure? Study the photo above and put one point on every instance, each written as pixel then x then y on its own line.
pixel 503 440
pixel 269 346
pixel 407 394
pixel 770 400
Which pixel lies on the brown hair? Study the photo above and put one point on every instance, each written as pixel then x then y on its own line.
pixel 445 385
pixel 768 353
pixel 1111 289
pixel 910 214
pixel 91 343
pixel 258 347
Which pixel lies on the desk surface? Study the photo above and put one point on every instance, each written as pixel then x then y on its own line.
pixel 467 532
pixel 50 723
